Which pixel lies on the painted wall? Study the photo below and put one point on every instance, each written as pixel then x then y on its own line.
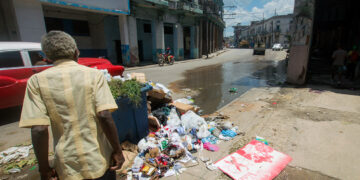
pixel 112 33
pixel 146 38
pixel 108 6
pixel 8 25
pixel 169 38
pixel 95 44
pixel 30 20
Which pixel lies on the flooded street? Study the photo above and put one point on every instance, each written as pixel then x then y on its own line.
pixel 213 83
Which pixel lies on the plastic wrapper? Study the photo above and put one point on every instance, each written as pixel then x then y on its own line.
pixel 191 120
pixel 211 139
pixel 185 101
pixel 211 147
pixel 228 133
pixel 138 163
pixel 203 132
pixel 174 120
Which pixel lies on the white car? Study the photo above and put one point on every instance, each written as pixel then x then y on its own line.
pixel 277 47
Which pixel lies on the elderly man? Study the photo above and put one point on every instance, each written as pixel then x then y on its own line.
pixel 75 101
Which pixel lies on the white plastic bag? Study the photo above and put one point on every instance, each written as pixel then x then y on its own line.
pixel 191 120
pixel 174 120
pixel 203 132
pixel 138 162
pixel 184 101
pixel 162 87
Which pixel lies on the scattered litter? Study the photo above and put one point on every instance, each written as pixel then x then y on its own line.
pixel 210 166
pixel 211 147
pixel 233 90
pixel 274 103
pixel 184 101
pixel 14 153
pixel 14 170
pixel 261 139
pixel 179 132
pixel 228 133
pixel 254 161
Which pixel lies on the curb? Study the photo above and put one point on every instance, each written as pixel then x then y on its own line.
pixel 176 62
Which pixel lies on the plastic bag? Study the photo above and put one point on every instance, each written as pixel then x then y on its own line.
pixel 211 147
pixel 203 132
pixel 162 87
pixel 227 125
pixel 174 120
pixel 184 101
pixel 210 139
pixel 145 144
pixel 228 133
pixel 191 120
pixel 138 162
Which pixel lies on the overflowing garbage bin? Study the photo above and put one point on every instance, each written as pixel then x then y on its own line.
pixel 131 120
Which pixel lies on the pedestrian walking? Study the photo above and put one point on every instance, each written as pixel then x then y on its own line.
pixel 76 102
pixel 338 68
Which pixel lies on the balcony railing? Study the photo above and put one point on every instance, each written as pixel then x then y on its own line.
pixel 189 6
pixel 159 2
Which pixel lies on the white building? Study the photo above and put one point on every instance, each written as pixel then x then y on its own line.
pixel 99 29
pixel 271 31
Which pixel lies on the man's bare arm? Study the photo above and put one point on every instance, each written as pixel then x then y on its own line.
pixel 40 140
pixel 109 128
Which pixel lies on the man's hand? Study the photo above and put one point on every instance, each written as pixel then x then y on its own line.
pixel 118 160
pixel 50 174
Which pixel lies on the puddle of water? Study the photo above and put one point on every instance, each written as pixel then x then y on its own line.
pixel 213 82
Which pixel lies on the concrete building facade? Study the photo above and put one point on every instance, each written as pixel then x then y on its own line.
pixel 94 26
pixel 270 31
pixel 127 32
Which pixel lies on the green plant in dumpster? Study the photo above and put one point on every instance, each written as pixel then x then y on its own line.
pixel 130 89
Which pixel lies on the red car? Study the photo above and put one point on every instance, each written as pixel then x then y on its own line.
pixel 20 60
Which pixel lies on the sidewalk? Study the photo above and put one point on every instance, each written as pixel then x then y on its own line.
pixel 217 53
pixel 317 126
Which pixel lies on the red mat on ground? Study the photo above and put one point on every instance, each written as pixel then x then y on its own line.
pixel 255 161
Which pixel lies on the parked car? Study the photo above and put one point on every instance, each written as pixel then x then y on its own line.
pixel 277 47
pixel 259 49
pixel 20 60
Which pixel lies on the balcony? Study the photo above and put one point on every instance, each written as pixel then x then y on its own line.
pixel 189 6
pixel 158 2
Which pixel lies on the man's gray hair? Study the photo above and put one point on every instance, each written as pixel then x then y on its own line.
pixel 58 45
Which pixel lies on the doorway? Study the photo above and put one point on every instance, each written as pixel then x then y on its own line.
pixel 187 42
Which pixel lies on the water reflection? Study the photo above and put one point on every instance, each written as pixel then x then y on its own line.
pixel 213 82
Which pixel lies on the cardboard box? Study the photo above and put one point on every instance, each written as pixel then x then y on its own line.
pixel 183 108
pixel 139 77
pixel 157 94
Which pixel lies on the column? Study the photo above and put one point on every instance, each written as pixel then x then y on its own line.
pixel 124 38
pixel 158 39
pixel 133 41
pixel 179 42
pixel 193 48
pixel 200 39
pixel 30 20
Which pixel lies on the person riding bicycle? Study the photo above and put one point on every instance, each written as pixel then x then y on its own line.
pixel 167 54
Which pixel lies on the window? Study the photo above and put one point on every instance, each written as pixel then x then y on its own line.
pixel 80 28
pixel 38 59
pixel 54 24
pixel 168 29
pixel 11 59
pixel 73 27
pixel 147 28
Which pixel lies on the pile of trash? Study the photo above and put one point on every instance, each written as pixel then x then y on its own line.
pixel 177 131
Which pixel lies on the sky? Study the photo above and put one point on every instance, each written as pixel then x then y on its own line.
pixel 252 10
